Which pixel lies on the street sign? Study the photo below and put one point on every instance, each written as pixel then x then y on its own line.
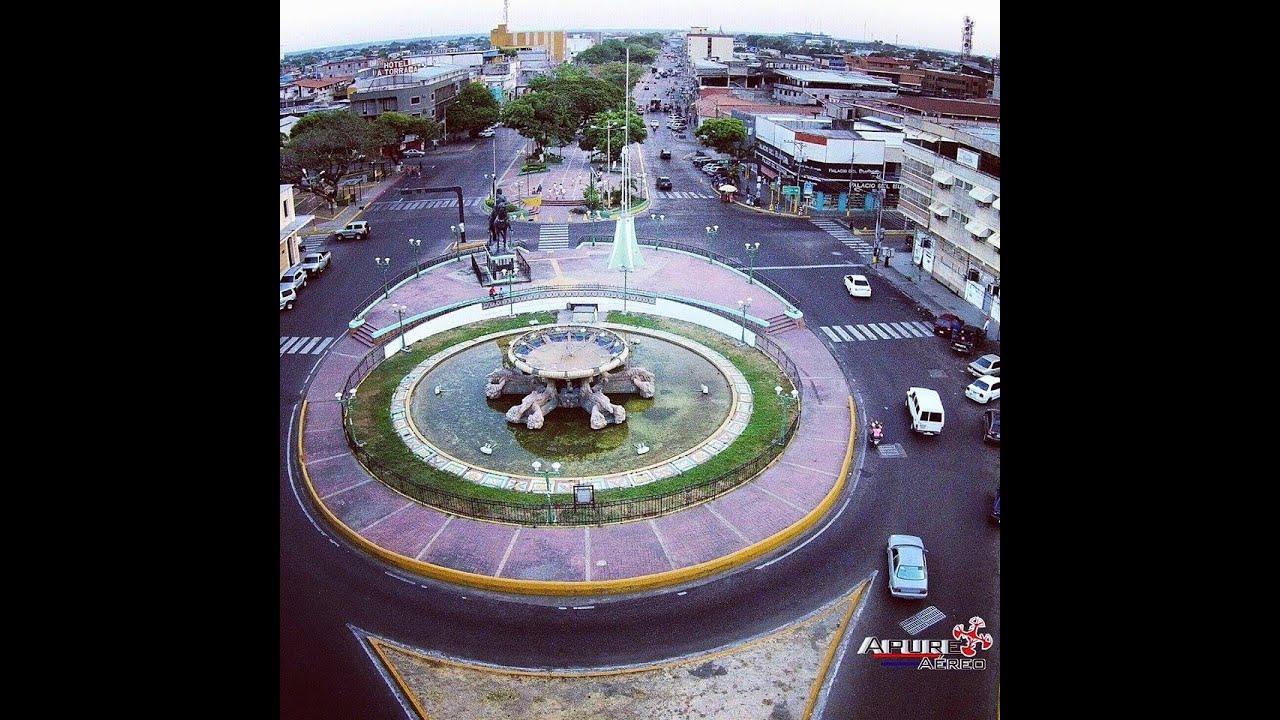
pixel 808 188
pixel 791 190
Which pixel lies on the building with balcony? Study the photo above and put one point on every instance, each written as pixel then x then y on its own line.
pixel 951 188
pixel 938 83
pixel 348 67
pixel 417 90
pixel 290 226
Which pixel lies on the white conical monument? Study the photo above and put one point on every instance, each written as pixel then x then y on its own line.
pixel 626 249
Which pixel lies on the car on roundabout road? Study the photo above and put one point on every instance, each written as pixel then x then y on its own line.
pixel 908 570
pixel 991 426
pixel 358 230
pixel 986 365
pixel 984 389
pixel 664 183
pixel 857 286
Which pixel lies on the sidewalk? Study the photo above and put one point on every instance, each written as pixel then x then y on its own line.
pixel 370 192
pixel 924 289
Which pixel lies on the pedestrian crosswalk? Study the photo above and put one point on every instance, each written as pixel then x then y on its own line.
pixel 303 345
pixel 425 204
pixel 684 195
pixel 840 231
pixel 553 236
pixel 904 330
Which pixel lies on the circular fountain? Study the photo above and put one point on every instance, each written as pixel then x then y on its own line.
pixel 568 366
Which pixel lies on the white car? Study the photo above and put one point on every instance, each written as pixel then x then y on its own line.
pixel 857 286
pixel 487 132
pixel 316 262
pixel 985 365
pixel 414 153
pixel 287 297
pixel 908 570
pixel 984 389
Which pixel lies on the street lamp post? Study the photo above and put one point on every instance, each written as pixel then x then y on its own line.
pixel 752 249
pixel 454 229
pixel 345 401
pixel 657 219
pixel 625 270
pixel 400 310
pixel 493 190
pixel 546 476
pixel 385 264
pixel 712 232
pixel 787 400
pixel 417 256
pixel 745 304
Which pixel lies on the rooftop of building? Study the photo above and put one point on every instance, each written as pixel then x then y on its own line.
pixel 831 76
pixel 988 133
pixel 324 83
pixel 941 106
pixel 427 74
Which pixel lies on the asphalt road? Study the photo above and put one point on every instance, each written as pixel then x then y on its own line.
pixel 939 490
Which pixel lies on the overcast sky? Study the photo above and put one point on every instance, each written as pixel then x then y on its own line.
pixel 307 24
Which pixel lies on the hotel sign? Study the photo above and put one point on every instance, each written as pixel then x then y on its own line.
pixel 398 67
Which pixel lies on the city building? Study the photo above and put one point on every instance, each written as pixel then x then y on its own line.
pixel 347 66
pixel 702 45
pixel 897 71
pixel 302 92
pixel 951 189
pixel 821 87
pixel 553 41
pixel 939 83
pixel 290 225
pixel 417 90
pixel 837 168
pixel 972 112
pixel 577 42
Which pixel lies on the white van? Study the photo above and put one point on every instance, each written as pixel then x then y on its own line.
pixel 925 408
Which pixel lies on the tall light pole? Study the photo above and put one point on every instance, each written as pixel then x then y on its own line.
pixel 712 232
pixel 454 229
pixel 657 219
pixel 417 256
pixel 400 309
pixel 745 304
pixel 493 190
pixel 385 264
pixel 752 249
pixel 786 399
pixel 346 402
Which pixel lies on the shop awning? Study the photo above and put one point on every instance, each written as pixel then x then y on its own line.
pixel 768 172
pixel 942 177
pixel 994 240
pixel 940 210
pixel 996 204
pixel 981 194
pixel 978 228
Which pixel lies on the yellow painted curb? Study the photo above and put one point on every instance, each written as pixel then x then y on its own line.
pixel 404 686
pixel 586 587
pixel 831 651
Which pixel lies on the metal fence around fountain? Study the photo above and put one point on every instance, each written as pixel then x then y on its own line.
pixel 552 512
pixel 549 511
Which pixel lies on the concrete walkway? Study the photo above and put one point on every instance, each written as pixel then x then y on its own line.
pixel 785 499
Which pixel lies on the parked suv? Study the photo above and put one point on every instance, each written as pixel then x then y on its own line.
pixel 358 230
pixel 295 278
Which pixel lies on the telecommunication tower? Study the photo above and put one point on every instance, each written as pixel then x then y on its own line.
pixel 506 5
pixel 966 39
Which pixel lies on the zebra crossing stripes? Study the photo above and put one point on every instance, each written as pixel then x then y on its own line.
pixel 684 195
pixel 425 204
pixel 291 345
pixel 840 232
pixel 553 236
pixel 902 330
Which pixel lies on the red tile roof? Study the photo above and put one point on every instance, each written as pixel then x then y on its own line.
pixel 323 83
pixel 970 108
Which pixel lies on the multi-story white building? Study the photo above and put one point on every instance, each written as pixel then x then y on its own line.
pixel 290 226
pixel 951 188
pixel 702 45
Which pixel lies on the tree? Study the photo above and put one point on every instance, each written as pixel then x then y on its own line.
pixel 474 109
pixel 615 74
pixel 598 138
pixel 616 51
pixel 392 127
pixel 724 134
pixel 546 118
pixel 326 147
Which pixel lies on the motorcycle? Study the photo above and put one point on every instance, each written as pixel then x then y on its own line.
pixel 876 433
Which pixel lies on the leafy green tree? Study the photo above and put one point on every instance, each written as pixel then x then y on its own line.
pixel 724 134
pixel 598 138
pixel 326 147
pixel 474 110
pixel 392 127
pixel 586 95
pixel 616 74
pixel 546 118
pixel 616 51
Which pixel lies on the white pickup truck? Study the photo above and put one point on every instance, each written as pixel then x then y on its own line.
pixel 316 262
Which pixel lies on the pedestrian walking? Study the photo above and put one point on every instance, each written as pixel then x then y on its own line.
pixel 492 293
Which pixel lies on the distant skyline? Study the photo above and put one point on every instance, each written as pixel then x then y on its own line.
pixel 311 24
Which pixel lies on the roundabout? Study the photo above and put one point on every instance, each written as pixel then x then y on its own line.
pixel 766 505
